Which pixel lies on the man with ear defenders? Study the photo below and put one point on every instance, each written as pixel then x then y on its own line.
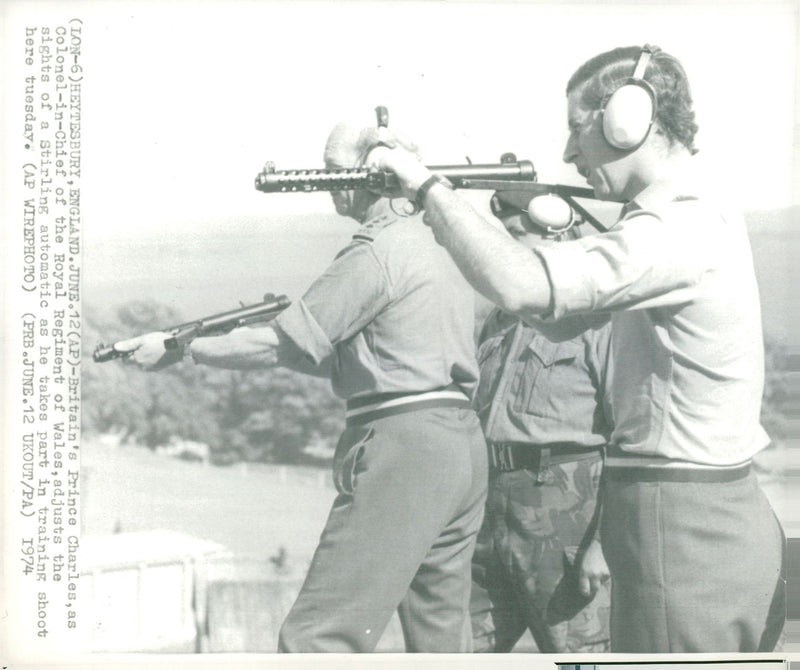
pixel 391 321
pixel 695 551
pixel 543 404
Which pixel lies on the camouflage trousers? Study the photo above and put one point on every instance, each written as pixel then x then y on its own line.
pixel 523 569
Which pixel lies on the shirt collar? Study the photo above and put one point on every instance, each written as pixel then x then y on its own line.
pixel 661 193
pixel 656 195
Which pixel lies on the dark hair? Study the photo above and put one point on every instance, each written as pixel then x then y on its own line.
pixel 606 72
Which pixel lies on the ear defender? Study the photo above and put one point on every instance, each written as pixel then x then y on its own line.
pixel 550 214
pixel 630 111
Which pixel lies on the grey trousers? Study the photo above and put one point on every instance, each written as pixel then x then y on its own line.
pixel 400 537
pixel 695 567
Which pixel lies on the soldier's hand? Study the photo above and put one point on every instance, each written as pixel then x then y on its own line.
pixel 593 570
pixel 148 351
pixel 406 165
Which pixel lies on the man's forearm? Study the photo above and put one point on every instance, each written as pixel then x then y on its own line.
pixel 240 349
pixel 506 272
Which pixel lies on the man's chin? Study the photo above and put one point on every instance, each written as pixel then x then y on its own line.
pixel 601 191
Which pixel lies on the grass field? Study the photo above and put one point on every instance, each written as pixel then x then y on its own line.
pixel 255 512
pixel 255 509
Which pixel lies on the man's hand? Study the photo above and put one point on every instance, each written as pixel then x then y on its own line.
pixel 148 352
pixel 592 570
pixel 406 165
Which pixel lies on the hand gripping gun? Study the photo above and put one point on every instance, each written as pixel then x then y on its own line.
pixel 218 324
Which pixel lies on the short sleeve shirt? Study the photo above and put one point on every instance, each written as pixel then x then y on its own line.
pixel 391 314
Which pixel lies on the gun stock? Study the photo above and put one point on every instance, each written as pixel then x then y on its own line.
pixel 211 325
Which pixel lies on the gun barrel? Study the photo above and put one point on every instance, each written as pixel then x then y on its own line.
pixel 305 181
pixel 460 175
pixel 236 317
pixel 270 180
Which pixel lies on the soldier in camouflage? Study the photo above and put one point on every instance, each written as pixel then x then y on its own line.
pixel 538 565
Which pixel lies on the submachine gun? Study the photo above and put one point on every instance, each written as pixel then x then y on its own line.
pixel 509 175
pixel 271 180
pixel 218 324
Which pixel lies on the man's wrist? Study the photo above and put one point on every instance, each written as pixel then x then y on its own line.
pixel 430 182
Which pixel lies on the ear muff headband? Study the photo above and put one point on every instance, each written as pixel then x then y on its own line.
pixel 630 111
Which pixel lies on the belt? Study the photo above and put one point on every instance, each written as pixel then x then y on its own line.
pixel 509 456
pixel 370 408
pixel 659 469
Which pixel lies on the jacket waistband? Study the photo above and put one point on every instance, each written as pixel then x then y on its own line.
pixel 370 408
